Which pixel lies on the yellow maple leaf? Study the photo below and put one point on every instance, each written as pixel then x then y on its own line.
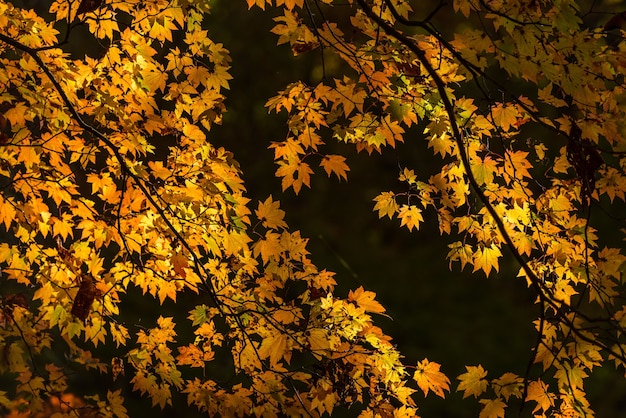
pixel 486 258
pixel 155 79
pixel 294 173
pixel 268 247
pixel 563 291
pixel 411 216
pixel 17 114
pixel 570 376
pixel 484 170
pixel 429 377
pixel 270 214
pixel 274 347
pixel 516 164
pixel 318 340
pixel 441 144
pixel 8 212
pixel 473 382
pixel 386 204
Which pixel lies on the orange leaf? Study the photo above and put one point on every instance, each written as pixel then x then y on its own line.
pixel 428 377
pixel 365 299
pixel 335 164
pixel 538 392
pixel 271 214
pixel 492 408
pixel 180 263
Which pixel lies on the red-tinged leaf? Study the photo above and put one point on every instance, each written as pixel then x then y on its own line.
pixel 84 298
pixel 430 378
pixel 179 264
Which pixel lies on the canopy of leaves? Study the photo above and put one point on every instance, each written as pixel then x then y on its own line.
pixel 110 184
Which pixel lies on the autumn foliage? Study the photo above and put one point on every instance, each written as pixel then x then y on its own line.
pixel 110 185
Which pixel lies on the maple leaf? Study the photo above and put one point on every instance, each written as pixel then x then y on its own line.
pixel 62 227
pixel 516 164
pixel 318 339
pixel 386 204
pixel 270 214
pixel 429 377
pixel 484 170
pixel 335 164
pixel 473 382
pixel 259 3
pixel 538 392
pixel 411 216
pixel 504 116
pixel 563 291
pixel 275 348
pixel 442 144
pixel 570 376
pixel 486 258
pixel 268 247
pixel 365 299
pixel 492 408
pixel 508 384
pixel 290 4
